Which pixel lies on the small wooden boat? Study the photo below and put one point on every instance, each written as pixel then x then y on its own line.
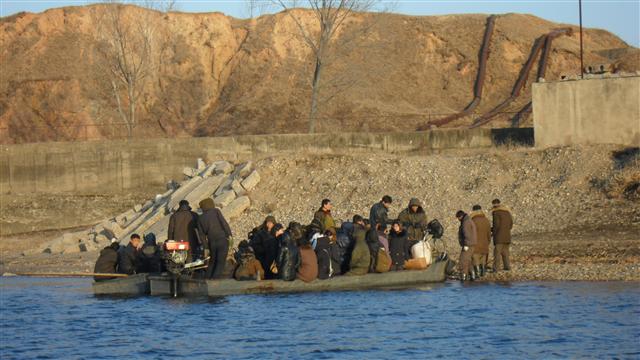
pixel 134 285
pixel 165 285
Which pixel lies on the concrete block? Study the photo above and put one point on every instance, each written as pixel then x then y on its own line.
pixel 144 223
pixel 225 185
pixel 137 207
pixel 208 171
pixel 243 170
pixel 146 206
pixel 172 185
pixel 190 172
pixel 113 228
pixel 102 240
pixel 204 190
pixel 250 182
pixel 126 218
pixel 160 229
pixel 182 192
pixel 200 164
pixel 88 246
pixel 237 188
pixel 236 208
pixel 223 167
pixel 225 198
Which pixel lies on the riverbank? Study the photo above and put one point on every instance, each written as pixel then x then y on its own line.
pixel 576 209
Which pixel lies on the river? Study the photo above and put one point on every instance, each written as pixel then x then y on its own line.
pixel 61 319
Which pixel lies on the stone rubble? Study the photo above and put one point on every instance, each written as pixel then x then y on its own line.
pixel 220 180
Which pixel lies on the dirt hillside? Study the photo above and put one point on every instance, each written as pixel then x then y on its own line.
pixel 216 75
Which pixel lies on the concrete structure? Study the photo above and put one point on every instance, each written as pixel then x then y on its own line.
pixel 112 166
pixel 593 111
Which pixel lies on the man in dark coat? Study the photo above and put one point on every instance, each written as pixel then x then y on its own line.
pixel 265 246
pixel 129 257
pixel 360 257
pixel 289 256
pixel 467 240
pixel 502 224
pixel 217 231
pixel 483 236
pixel 373 243
pixel 183 226
pixel 107 262
pixel 379 213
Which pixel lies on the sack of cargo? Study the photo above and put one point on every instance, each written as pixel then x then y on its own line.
pixel 421 250
pixel 383 261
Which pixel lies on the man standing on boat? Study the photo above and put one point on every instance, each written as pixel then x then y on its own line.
pixel 414 221
pixel 502 224
pixel 379 213
pixel 323 220
pixel 467 239
pixel 182 226
pixel 213 225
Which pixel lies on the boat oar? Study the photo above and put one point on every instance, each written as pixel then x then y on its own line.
pixel 70 274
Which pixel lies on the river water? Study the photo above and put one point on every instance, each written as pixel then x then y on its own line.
pixel 60 318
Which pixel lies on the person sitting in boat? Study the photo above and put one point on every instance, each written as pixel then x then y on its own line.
pixel 150 255
pixel 129 256
pixel 397 246
pixel 289 256
pixel 248 268
pixel 360 257
pixel 265 246
pixel 107 262
pixel 373 243
pixel 308 270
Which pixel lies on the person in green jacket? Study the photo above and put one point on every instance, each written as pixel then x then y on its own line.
pixel 360 257
pixel 414 221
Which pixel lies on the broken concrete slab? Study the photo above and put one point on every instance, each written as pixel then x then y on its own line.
pixel 236 208
pixel 126 218
pixel 137 207
pixel 204 190
pixel 185 189
pixel 114 230
pixel 172 185
pixel 160 229
pixel 223 167
pixel 243 170
pixel 237 188
pixel 224 199
pixel 250 182
pixel 144 225
pixel 190 172
pixel 208 171
pixel 200 164
pixel 225 185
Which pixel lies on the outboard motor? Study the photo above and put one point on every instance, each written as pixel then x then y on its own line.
pixel 175 255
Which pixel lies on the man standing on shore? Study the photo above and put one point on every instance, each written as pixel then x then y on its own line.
pixel 483 237
pixel 502 224
pixel 467 240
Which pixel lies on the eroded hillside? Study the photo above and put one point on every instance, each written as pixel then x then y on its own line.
pixel 216 75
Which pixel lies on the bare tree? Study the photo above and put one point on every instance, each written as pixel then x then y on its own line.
pixel 331 15
pixel 127 49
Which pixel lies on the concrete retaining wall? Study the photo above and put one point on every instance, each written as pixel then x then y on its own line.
pixel 592 111
pixel 111 166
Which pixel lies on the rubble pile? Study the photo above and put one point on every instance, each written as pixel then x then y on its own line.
pixel 226 184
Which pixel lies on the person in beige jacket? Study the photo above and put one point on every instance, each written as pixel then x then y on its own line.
pixel 483 238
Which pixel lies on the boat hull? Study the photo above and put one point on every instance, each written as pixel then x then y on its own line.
pixel 163 285
pixel 134 285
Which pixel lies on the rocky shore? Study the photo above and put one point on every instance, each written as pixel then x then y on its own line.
pixel 576 209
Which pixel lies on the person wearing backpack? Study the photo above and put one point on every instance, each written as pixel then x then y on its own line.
pixel 265 246
pixel 397 246
pixel 289 256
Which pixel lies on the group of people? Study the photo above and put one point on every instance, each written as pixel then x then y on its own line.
pixel 320 250
pixel 475 234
